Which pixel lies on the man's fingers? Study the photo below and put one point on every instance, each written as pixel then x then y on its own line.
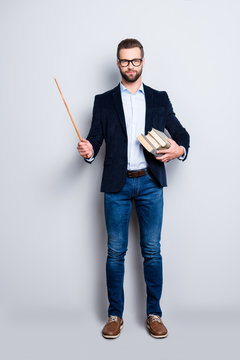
pixel 164 151
pixel 83 146
pixel 84 152
pixel 162 158
pixel 84 141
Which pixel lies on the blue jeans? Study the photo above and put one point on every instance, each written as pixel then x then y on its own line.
pixel 148 197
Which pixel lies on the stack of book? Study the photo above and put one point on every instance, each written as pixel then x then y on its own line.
pixel 154 140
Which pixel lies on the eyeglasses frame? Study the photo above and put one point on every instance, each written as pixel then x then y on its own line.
pixel 130 61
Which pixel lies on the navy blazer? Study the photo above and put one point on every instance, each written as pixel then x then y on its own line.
pixel 108 123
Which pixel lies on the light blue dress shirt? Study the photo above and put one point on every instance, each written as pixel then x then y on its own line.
pixel 134 106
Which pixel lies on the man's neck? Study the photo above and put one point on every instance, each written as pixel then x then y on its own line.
pixel 132 86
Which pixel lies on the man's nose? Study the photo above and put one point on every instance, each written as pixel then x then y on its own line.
pixel 130 66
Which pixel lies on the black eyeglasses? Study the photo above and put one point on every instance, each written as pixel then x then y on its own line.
pixel 125 62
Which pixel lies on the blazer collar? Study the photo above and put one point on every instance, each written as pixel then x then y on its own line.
pixel 149 103
pixel 117 99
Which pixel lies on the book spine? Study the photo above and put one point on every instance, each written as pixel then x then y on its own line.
pixel 162 142
pixel 149 142
pixel 160 145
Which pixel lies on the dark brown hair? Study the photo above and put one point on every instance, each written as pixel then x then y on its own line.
pixel 129 44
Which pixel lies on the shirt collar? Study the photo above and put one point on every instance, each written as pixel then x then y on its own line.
pixel 124 89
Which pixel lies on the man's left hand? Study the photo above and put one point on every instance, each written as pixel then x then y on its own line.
pixel 172 153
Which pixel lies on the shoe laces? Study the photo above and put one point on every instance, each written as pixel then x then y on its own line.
pixel 155 318
pixel 112 318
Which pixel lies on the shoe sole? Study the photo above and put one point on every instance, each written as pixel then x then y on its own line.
pixel 156 336
pixel 113 336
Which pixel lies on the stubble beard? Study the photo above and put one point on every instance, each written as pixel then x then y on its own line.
pixel 131 79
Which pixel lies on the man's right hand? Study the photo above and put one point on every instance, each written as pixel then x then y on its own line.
pixel 85 148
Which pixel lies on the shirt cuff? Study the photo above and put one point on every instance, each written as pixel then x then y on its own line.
pixel 182 157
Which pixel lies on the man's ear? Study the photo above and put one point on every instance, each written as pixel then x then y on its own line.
pixel 143 61
pixel 117 63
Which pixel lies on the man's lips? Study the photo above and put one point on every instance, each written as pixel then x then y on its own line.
pixel 131 72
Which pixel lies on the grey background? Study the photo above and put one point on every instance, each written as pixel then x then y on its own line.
pixel 53 239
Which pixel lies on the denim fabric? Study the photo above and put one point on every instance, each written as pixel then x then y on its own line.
pixel 148 198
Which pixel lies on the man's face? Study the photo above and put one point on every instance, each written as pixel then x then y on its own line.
pixel 130 73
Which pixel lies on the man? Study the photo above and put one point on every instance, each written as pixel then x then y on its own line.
pixel 131 173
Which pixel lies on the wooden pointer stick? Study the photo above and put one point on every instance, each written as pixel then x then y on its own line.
pixel 80 138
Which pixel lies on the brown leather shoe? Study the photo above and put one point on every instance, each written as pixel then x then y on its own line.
pixel 156 327
pixel 112 327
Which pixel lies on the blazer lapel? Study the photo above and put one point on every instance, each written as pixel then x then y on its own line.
pixel 149 101
pixel 117 99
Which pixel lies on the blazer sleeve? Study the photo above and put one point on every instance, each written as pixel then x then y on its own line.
pixel 175 128
pixel 95 135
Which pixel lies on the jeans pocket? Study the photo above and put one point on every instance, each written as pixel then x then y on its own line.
pixel 153 180
pixel 149 176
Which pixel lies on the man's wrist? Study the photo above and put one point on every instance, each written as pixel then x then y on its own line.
pixel 183 153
